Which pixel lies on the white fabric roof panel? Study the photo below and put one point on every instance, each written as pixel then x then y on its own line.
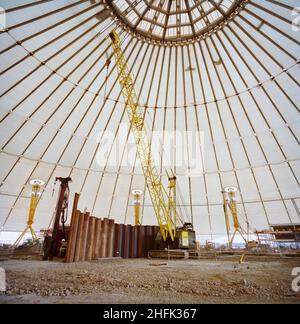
pixel 235 80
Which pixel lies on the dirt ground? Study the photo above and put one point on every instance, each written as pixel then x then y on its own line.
pixel 142 281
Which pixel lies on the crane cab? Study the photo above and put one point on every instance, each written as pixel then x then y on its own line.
pixel 185 239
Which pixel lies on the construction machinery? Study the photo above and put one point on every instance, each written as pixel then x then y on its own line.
pixel 53 242
pixel 163 200
pixel 279 234
pixel 36 187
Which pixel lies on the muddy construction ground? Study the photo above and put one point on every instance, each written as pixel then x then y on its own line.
pixel 150 281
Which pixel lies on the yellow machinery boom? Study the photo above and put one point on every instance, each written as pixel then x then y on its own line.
pixel 163 202
pixel 35 196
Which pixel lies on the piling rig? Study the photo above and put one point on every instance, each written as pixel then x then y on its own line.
pixel 51 243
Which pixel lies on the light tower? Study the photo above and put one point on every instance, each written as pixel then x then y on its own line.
pixel 36 186
pixel 229 196
pixel 137 194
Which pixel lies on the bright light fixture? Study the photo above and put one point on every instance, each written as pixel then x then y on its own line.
pixel 230 189
pixel 137 192
pixel 37 182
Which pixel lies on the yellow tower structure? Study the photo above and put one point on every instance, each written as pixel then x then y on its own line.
pixel 36 186
pixel 137 194
pixel 229 196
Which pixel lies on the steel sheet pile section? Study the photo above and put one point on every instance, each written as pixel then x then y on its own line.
pixel 97 239
pixel 78 237
pixel 92 238
pixel 118 240
pixel 70 255
pixel 110 238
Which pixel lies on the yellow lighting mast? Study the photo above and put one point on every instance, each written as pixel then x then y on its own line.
pixel 34 199
pixel 229 196
pixel 163 202
pixel 137 194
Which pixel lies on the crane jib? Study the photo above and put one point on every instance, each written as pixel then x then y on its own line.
pixel 163 200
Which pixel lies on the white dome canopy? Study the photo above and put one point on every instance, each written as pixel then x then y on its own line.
pixel 233 84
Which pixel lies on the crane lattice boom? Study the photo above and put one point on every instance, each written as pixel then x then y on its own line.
pixel 165 211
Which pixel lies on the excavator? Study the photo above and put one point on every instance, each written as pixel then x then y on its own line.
pixel 174 233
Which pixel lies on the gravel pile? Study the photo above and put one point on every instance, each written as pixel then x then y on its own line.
pixel 139 276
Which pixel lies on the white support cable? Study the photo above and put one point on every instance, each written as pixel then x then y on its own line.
pixel 130 173
pixel 294 123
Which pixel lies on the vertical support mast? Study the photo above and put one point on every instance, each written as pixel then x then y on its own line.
pixel 156 190
pixel 61 208
pixel 34 199
pixel 226 216
pixel 137 194
pixel 229 195
pixel 172 199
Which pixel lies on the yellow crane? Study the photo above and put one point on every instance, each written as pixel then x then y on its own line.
pixel 163 201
